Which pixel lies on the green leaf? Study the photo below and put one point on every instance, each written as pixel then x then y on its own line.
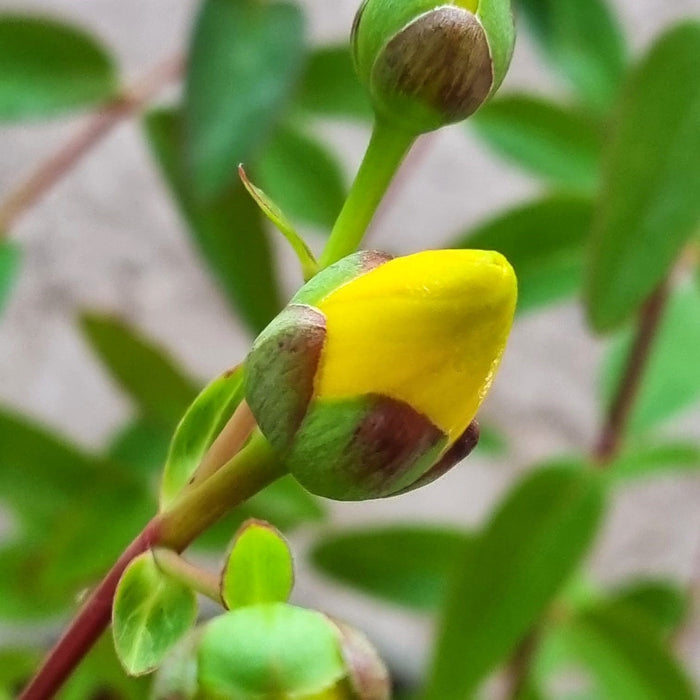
pixel 330 87
pixel 160 388
pixel 16 668
pixel 151 613
pixel 652 460
pixel 492 443
pixel 510 574
pixel 406 565
pixel 228 230
pixel 544 241
pixel 274 650
pixel 259 568
pixel 300 174
pixel 561 144
pixel 584 42
pixel 47 68
pixel 671 381
pixel 649 206
pixel 141 447
pixel 198 429
pixel 664 603
pixel 245 59
pixel 9 268
pixel 623 651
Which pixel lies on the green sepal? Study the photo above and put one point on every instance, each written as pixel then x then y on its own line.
pixel 366 447
pixel 280 371
pixel 338 274
pixel 496 16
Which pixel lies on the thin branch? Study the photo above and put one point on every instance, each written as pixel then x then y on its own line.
pixel 618 417
pixel 199 580
pixel 96 127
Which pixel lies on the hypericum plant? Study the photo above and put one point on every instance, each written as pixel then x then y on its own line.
pixel 367 382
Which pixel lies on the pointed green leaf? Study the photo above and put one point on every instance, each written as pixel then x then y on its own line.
pixel 9 267
pixel 649 206
pixel 273 651
pixel 331 88
pixel 671 382
pixel 160 388
pixel 244 62
pixel 561 144
pixel 141 447
pixel 544 241
pixel 151 612
pixel 302 175
pixel 309 266
pixel 584 42
pixel 622 650
pixel 47 68
pixel 655 459
pixel 509 575
pixel 228 229
pixel 198 429
pixel 405 565
pixel 664 603
pixel 259 568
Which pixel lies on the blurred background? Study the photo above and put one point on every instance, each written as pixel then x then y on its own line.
pixel 109 240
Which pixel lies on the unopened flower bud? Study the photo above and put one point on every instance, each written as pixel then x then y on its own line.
pixel 369 381
pixel 427 64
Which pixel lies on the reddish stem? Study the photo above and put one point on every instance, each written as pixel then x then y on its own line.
pixel 89 624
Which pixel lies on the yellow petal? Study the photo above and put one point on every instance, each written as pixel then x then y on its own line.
pixel 428 329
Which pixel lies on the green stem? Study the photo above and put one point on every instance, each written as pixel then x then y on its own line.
pixel 386 150
pixel 199 580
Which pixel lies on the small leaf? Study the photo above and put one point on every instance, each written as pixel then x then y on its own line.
pixel 151 613
pixel 671 383
pixel 300 173
pixel 511 572
pixel 330 87
pixel 245 59
pixel 623 651
pixel 544 241
pixel 9 268
pixel 561 144
pixel 259 568
pixel 198 429
pixel 309 266
pixel 47 68
pixel 664 603
pixel 492 443
pixel 649 206
pixel 273 650
pixel 584 42
pixel 406 565
pixel 159 388
pixel 651 460
pixel 228 229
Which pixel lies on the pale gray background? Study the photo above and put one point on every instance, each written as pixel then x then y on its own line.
pixel 108 238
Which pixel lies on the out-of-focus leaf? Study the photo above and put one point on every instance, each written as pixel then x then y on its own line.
pixel 649 205
pixel 245 59
pixel 274 650
pixel 492 443
pixel 228 230
pixel 510 573
pixel 9 267
pixel 583 41
pixel 47 68
pixel 664 603
pixel 544 241
pixel 284 503
pixel 151 612
pixel 406 565
pixel 198 429
pixel 141 446
pixel 300 174
pixel 559 143
pixel 330 86
pixel 160 388
pixel 655 459
pixel 622 649
pixel 671 381
pixel 16 668
pixel 259 568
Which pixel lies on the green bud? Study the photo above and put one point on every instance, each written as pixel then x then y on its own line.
pixel 427 66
